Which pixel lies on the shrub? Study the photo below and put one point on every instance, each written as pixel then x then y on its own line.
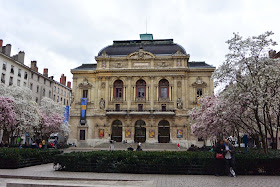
pixel 16 158
pixel 165 162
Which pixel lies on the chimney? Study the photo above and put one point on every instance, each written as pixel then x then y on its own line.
pixel 271 53
pixel 34 65
pixel 1 43
pixel 69 84
pixel 21 55
pixel 45 73
pixel 63 79
pixel 7 49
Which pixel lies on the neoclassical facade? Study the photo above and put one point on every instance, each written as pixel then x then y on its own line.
pixel 139 91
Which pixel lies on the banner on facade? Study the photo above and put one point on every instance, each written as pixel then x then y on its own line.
pixel 127 134
pixel 151 133
pixel 101 133
pixel 83 110
pixel 66 114
pixel 179 133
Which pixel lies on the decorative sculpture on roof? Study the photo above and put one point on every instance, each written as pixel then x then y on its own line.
pixel 141 54
pixel 85 83
pixel 178 53
pixel 104 55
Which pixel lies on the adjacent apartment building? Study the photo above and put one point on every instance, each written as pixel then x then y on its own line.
pixel 14 72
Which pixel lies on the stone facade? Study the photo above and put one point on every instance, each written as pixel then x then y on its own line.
pixel 139 91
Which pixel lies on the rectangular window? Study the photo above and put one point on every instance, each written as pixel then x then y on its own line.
pixel 25 75
pixel 57 99
pixel 140 107
pixel 82 134
pixel 38 78
pixel 50 93
pixel 141 92
pixel 163 92
pixel 3 78
pixel 36 99
pixel 4 67
pixel 12 69
pixel 64 93
pixel 19 72
pixel 11 81
pixel 18 82
pixel 119 92
pixel 118 107
pixel 31 86
pixel 24 84
pixel 64 102
pixel 163 107
pixel 61 99
pixel 85 93
pixel 44 92
pixel 61 92
pixel 37 89
pixel 44 81
pixel 31 75
pixel 54 88
pixel 58 90
pixel 199 92
pixel 54 97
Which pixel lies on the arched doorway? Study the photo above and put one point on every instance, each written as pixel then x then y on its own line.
pixel 163 131
pixel 140 131
pixel 117 131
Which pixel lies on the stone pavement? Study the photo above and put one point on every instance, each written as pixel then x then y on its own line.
pixel 44 174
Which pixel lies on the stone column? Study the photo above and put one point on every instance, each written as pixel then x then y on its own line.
pixel 187 92
pixel 175 92
pixel 129 93
pixel 184 91
pixel 152 93
pixel 107 93
pixel 96 102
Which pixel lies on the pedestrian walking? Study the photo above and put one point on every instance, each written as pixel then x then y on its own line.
pixel 111 147
pixel 229 159
pixel 178 146
pixel 219 158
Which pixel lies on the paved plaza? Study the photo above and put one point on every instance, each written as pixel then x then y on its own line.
pixel 45 174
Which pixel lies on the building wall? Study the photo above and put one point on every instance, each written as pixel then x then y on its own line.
pixel 61 93
pixel 183 84
pixel 18 75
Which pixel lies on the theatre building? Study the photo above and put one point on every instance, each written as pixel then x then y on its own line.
pixel 139 91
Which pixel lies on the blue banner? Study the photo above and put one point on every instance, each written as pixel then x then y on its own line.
pixel 66 114
pixel 83 110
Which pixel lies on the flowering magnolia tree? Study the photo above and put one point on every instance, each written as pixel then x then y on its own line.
pixel 251 100
pixel 7 113
pixel 51 118
pixel 20 114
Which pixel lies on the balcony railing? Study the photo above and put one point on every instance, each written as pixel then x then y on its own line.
pixel 138 112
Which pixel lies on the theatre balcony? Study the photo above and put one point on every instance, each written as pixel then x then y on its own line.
pixel 141 112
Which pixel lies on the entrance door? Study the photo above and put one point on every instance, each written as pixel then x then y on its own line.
pixel 117 131
pixel 140 131
pixel 163 132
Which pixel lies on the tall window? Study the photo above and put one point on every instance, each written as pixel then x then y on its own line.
pixel 141 88
pixel 18 82
pixel 82 134
pixel 199 92
pixel 4 66
pixel 19 72
pixel 163 88
pixel 3 78
pixel 25 75
pixel 38 78
pixel 50 94
pixel 31 86
pixel 85 93
pixel 37 89
pixel 12 69
pixel 118 107
pixel 118 89
pixel 44 92
pixel 11 81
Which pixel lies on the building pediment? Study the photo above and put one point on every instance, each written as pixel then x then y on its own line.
pixel 85 84
pixel 140 55
pixel 199 83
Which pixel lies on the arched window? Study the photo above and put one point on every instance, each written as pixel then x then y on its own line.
pixel 118 89
pixel 141 88
pixel 163 88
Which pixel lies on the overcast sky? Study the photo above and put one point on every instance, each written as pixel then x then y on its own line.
pixel 63 34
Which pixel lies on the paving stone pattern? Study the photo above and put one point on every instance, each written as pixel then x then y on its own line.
pixel 44 174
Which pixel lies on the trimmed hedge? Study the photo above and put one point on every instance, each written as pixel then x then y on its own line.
pixel 11 158
pixel 165 162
